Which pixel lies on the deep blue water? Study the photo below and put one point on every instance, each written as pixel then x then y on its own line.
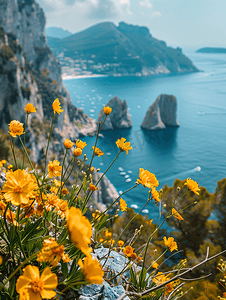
pixel 171 153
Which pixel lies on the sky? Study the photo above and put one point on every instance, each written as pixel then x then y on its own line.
pixel 180 23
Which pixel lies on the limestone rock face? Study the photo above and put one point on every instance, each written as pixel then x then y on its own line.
pixel 29 73
pixel 162 113
pixel 119 117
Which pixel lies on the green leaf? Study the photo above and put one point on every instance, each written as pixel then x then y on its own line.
pixel 102 223
pixel 84 184
pixel 12 286
pixel 142 278
pixel 133 277
pixel 64 269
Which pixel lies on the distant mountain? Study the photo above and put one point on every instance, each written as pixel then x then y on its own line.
pixel 118 50
pixel 57 32
pixel 211 50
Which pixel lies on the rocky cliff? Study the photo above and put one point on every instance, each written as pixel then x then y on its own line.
pixel 162 113
pixel 29 72
pixel 119 117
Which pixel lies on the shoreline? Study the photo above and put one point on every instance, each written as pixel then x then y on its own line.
pixel 68 77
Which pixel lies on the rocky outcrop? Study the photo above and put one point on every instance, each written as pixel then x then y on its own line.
pixel 119 117
pixel 29 72
pixel 162 113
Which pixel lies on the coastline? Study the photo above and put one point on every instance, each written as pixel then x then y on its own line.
pixel 68 77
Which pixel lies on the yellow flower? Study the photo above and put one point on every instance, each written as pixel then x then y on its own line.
pixel 56 106
pixel 77 152
pixel 2 208
pixel 52 202
pixel 30 108
pixel 147 179
pixel 80 144
pixel 54 168
pixel 10 216
pixel 192 185
pixel 133 256
pixel 18 187
pixel 96 214
pixel 161 278
pixel 155 194
pixel 123 145
pixel 176 214
pixel 120 243
pixel 80 230
pixel 65 191
pixel 2 162
pixel 92 187
pixel 62 207
pixel 108 233
pixel 170 243
pixel 128 250
pixel 150 221
pixel 52 252
pixel 92 270
pixel 123 205
pixel 1 259
pixel 107 110
pixel 97 151
pixel 15 128
pixel 155 265
pixel 36 287
pixel 139 259
pixel 68 144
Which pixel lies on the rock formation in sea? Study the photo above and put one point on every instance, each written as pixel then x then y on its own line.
pixel 29 72
pixel 119 117
pixel 162 113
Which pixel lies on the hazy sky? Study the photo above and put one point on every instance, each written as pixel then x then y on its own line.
pixel 181 23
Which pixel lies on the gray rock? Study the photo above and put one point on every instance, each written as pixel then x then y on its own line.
pixel 119 117
pixel 162 113
pixel 2 179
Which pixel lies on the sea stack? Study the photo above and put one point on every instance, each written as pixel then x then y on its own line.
pixel 119 117
pixel 162 113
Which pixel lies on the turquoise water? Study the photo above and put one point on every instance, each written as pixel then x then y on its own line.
pixel 200 141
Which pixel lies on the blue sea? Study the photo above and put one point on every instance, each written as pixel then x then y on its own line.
pixel 196 149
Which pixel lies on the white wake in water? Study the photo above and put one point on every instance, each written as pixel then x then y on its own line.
pixel 184 174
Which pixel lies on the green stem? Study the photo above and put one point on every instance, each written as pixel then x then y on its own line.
pixel 51 128
pixel 24 136
pixel 86 200
pixel 62 172
pixel 13 151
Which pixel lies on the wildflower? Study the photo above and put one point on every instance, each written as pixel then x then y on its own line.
pixel 97 151
pixel 80 229
pixel 56 106
pixel 80 144
pixel 1 259
pixel 62 208
pixel 28 210
pixel 120 243
pixel 52 202
pixel 111 241
pixel 155 194
pixel 2 162
pixel 150 221
pixel 92 270
pixel 108 233
pixel 11 218
pixel 52 252
pixel 147 179
pixel 161 278
pixel 123 145
pixel 2 208
pixel 77 152
pixel 18 187
pixel 123 205
pixel 155 265
pixel 133 256
pixel 34 286
pixel 170 243
pixel 15 128
pixel 64 191
pixel 128 250
pixel 192 185
pixel 30 108
pixel 176 214
pixel 54 168
pixel 92 187
pixel 68 144
pixel 107 110
pixel 139 259
pixel 96 214
pixel 10 168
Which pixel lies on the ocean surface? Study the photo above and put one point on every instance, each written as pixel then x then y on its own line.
pixel 196 149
